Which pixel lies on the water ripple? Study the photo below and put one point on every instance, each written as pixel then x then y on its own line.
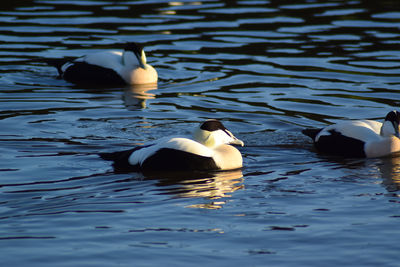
pixel 266 68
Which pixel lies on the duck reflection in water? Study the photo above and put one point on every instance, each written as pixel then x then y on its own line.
pixel 384 170
pixel 390 171
pixel 211 186
pixel 135 96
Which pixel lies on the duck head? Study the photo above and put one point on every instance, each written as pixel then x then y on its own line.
pixel 391 125
pixel 213 133
pixel 134 55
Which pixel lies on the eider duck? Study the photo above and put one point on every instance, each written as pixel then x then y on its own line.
pixel 109 68
pixel 209 150
pixel 359 138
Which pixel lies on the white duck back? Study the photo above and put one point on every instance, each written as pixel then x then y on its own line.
pixel 364 130
pixel 105 59
pixel 177 143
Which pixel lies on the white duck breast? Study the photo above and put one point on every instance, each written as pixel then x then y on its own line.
pixel 110 68
pixel 210 151
pixel 359 138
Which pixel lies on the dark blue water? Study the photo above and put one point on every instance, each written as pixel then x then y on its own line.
pixel 267 69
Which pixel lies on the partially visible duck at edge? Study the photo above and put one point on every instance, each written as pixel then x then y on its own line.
pixel 209 150
pixel 111 67
pixel 359 138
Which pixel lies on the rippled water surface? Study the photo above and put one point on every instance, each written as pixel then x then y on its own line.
pixel 267 69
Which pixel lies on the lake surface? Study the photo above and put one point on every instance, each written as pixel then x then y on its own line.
pixel 267 69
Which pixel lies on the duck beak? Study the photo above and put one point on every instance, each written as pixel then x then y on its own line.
pixel 142 60
pixel 142 64
pixel 237 142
